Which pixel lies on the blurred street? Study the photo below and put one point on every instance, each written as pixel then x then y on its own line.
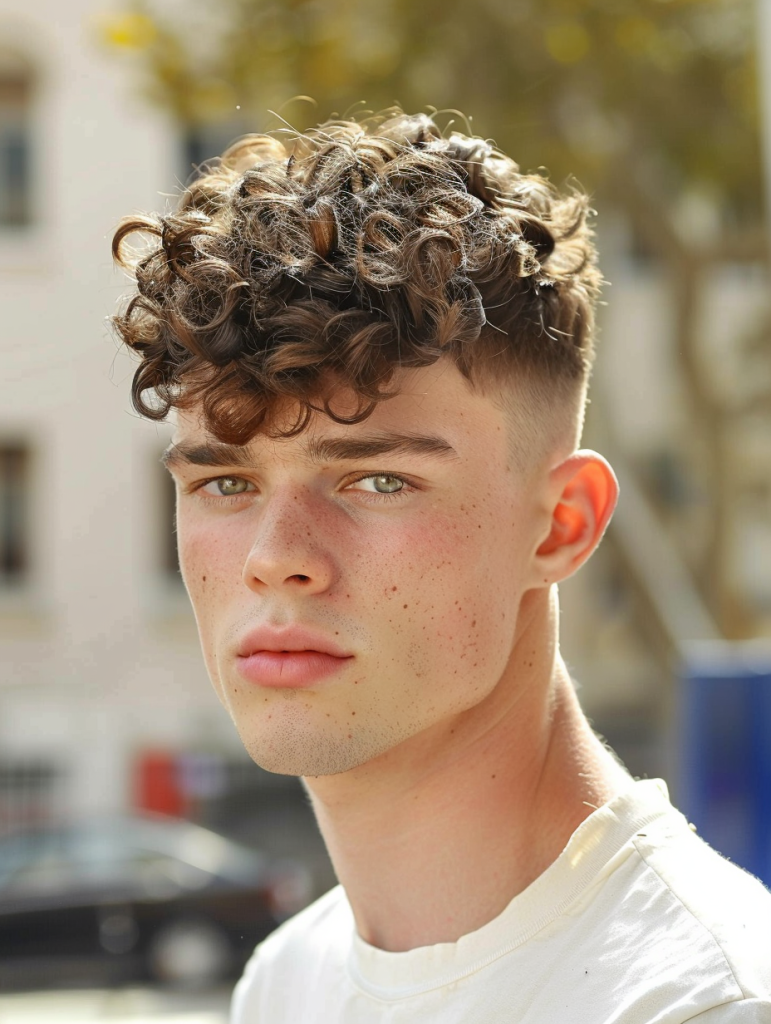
pixel 151 1006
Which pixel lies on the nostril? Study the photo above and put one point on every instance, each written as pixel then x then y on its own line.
pixel 300 578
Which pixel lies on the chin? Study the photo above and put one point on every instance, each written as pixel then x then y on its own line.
pixel 302 755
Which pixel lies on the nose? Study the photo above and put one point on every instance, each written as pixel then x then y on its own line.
pixel 288 551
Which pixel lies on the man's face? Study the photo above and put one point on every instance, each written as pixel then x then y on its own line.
pixel 398 548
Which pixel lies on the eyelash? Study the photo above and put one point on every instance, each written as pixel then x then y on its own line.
pixel 407 487
pixel 379 496
pixel 218 499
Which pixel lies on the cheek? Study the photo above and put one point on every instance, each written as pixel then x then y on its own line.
pixel 211 561
pixel 492 558
pixel 455 586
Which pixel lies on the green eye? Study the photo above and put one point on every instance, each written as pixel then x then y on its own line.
pixel 387 484
pixel 229 485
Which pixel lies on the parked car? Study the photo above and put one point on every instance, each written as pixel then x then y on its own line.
pixel 136 897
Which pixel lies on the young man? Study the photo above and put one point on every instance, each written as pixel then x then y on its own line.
pixel 377 341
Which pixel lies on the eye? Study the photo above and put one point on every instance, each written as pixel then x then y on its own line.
pixel 381 483
pixel 226 486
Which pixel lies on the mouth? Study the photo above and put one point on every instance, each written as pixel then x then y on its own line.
pixel 289 669
pixel 292 658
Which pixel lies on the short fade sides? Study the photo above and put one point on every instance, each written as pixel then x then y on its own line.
pixel 357 249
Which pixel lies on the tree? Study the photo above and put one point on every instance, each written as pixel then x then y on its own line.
pixel 668 83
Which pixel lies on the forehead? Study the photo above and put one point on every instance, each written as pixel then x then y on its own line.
pixel 435 404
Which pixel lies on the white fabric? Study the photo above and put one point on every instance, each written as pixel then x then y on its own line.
pixel 637 922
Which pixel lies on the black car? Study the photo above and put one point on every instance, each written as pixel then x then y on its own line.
pixel 136 897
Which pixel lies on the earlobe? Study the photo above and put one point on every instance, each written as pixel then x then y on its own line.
pixel 583 492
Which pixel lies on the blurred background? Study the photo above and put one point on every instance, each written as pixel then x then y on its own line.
pixel 661 109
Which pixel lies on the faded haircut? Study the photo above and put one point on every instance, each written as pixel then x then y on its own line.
pixel 333 259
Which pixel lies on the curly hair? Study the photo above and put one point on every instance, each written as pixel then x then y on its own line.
pixel 357 249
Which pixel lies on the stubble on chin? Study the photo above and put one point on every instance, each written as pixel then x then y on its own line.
pixel 292 745
pixel 291 755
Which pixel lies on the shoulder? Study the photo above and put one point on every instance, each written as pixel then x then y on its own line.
pixel 727 906
pixel 688 914
pixel 667 924
pixel 321 927
pixel 310 946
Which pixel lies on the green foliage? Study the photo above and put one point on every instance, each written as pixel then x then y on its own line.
pixel 666 87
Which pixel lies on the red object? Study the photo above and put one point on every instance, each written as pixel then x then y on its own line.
pixel 157 784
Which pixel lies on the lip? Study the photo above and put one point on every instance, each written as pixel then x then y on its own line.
pixel 288 657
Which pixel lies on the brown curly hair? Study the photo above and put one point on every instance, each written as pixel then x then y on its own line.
pixel 356 249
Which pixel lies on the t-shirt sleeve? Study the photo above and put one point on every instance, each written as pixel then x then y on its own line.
pixel 742 1011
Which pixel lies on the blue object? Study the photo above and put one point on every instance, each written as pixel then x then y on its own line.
pixel 724 744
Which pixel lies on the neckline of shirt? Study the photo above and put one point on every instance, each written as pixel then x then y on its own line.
pixel 594 850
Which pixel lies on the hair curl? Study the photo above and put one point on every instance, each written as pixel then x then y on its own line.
pixel 287 271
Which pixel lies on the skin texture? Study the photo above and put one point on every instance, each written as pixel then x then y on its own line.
pixel 454 720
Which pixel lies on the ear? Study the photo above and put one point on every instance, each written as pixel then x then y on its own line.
pixel 582 496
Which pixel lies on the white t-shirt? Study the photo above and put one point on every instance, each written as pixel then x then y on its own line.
pixel 637 922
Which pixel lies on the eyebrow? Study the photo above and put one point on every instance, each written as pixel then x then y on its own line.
pixel 210 453
pixel 324 449
pixel 341 449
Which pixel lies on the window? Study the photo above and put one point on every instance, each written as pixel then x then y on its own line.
pixel 30 794
pixel 14 513
pixel 16 87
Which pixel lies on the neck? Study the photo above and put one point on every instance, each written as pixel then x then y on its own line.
pixel 433 839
